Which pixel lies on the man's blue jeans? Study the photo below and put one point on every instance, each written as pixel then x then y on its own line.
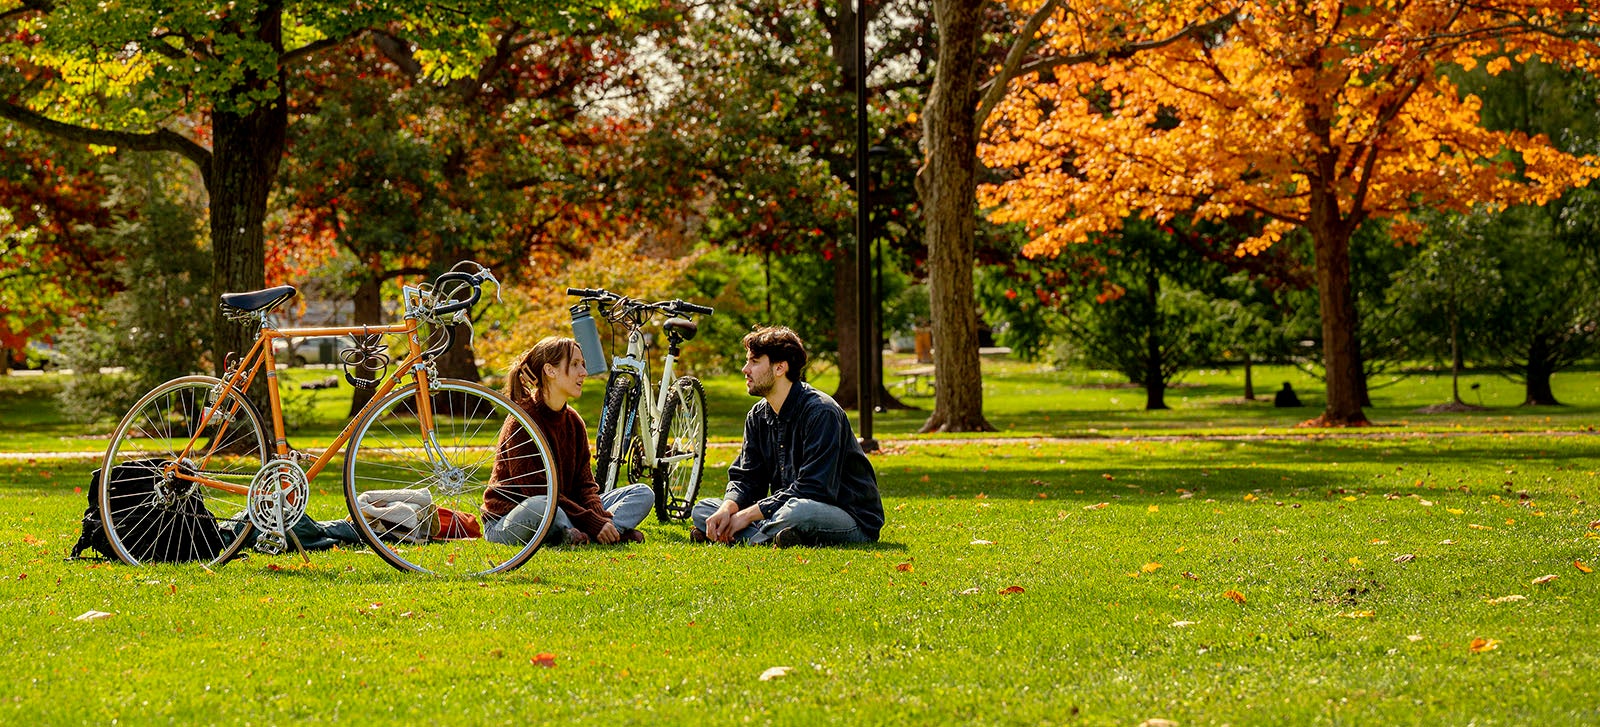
pixel 628 507
pixel 821 523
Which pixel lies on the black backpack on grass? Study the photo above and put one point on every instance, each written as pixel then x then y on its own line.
pixel 151 531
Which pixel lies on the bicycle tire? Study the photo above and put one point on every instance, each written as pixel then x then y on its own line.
pixel 683 432
pixel 388 462
pixel 167 519
pixel 620 406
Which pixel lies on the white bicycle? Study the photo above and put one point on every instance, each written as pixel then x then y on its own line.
pixel 659 439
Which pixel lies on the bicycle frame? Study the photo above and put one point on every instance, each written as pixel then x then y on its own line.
pixel 633 363
pixel 260 358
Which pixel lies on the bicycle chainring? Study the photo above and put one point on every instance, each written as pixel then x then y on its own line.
pixel 278 496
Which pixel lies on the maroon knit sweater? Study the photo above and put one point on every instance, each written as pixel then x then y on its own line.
pixel 516 478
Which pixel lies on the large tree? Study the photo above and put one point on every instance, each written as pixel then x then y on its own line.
pixel 210 82
pixel 966 90
pixel 1317 114
pixel 758 123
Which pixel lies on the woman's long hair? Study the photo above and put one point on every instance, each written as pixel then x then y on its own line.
pixel 525 380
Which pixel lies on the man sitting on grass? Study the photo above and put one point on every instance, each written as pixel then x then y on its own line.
pixel 801 477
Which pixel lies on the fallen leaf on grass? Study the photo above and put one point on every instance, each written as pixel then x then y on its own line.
pixel 1190 576
pixel 1008 590
pixel 1349 498
pixel 544 659
pixel 1476 526
pixel 1478 646
pixel 981 542
pixel 1158 722
pixel 1153 508
pixel 1098 506
pixel 1414 637
pixel 1235 595
pixel 1582 567
pixel 1181 624
pixel 1359 614
pixel 1150 567
pixel 1541 580
pixel 1506 599
pixel 972 592
pixel 903 567
pixel 92 615
pixel 777 672
pixel 1425 503
pixel 1355 561
pixel 1407 558
pixel 1250 497
pixel 1453 510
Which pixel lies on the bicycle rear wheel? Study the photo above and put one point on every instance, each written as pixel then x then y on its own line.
pixel 184 428
pixel 681 449
pixel 418 500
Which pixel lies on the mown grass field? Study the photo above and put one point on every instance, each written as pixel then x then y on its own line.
pixel 1020 399
pixel 1202 581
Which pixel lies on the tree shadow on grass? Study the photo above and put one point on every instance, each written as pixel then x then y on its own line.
pixel 1090 485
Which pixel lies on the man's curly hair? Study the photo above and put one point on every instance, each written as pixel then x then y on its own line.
pixel 778 343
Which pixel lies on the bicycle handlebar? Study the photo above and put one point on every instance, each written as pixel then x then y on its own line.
pixel 473 281
pixel 674 307
pixel 693 308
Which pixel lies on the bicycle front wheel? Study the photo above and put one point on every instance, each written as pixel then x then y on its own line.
pixel 681 449
pixel 174 480
pixel 417 496
pixel 618 418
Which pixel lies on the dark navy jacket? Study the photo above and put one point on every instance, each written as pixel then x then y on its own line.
pixel 806 451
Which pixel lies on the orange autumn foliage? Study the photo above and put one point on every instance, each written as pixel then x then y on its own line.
pixel 1299 113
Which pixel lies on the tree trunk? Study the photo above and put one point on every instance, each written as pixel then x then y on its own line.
pixel 245 150
pixel 1455 360
pixel 1155 382
pixel 368 305
pixel 5 361
pixel 1539 371
pixel 460 361
pixel 1249 380
pixel 844 321
pixel 845 330
pixel 245 154
pixel 1341 356
pixel 947 188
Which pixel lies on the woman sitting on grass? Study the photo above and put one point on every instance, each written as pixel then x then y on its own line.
pixel 542 381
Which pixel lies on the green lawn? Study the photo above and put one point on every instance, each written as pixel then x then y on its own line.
pixel 1203 580
pixel 1020 399
pixel 1069 613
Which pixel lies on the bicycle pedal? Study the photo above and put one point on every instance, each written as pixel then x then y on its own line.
pixel 272 544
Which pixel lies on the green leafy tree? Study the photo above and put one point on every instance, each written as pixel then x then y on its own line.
pixel 756 128
pixel 154 328
pixel 211 82
pixel 1446 293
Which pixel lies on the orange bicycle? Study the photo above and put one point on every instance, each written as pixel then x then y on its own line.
pixel 421 453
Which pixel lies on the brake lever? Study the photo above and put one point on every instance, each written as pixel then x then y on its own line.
pixel 488 275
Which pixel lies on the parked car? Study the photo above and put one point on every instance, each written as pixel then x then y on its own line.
pixel 313 350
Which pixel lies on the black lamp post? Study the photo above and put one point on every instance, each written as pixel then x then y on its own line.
pixel 865 387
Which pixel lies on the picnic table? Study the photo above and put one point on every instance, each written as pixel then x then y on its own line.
pixel 911 380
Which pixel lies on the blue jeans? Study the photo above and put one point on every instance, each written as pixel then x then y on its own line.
pixel 628 507
pixel 823 524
